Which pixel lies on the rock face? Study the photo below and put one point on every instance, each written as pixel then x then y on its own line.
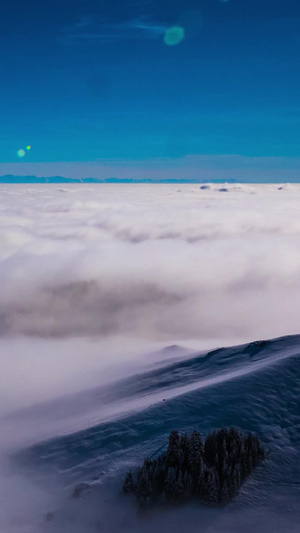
pixel 211 470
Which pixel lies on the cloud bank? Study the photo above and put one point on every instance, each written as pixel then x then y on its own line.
pixel 153 262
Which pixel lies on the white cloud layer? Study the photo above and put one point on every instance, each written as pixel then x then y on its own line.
pixel 156 262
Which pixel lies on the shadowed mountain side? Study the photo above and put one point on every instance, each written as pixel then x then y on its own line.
pixel 264 401
pixel 163 380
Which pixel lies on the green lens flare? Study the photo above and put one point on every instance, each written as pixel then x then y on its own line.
pixel 21 153
pixel 174 35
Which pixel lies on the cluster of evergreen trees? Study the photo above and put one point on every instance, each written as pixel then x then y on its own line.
pixel 211 469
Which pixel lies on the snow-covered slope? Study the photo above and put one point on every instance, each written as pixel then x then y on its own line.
pixel 255 387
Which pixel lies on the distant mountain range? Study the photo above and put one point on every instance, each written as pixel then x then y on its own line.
pixel 9 178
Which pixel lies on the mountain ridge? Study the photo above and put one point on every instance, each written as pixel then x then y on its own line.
pixel 11 178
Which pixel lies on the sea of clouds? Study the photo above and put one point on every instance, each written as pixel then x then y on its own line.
pixel 93 274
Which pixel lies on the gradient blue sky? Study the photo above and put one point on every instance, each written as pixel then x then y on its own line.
pixel 93 87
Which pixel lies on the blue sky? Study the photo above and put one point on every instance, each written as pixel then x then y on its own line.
pixel 94 84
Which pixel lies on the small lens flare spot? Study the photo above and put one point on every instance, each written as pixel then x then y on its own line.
pixel 21 153
pixel 28 147
pixel 174 35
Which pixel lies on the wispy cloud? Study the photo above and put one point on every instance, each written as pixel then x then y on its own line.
pixel 93 27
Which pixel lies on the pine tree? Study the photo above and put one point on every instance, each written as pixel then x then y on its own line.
pixel 180 489
pixel 170 487
pixel 245 463
pixel 225 465
pixel 184 442
pixel 188 486
pixel 205 489
pixel 195 453
pixel 144 489
pixel 174 448
pixel 199 486
pixel 183 461
pixel 210 447
pixel 236 479
pixel 211 488
pixel 128 486
pixel 224 494
pixel 159 477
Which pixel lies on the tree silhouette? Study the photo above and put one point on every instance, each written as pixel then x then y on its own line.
pixel 128 486
pixel 211 470
pixel 174 448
